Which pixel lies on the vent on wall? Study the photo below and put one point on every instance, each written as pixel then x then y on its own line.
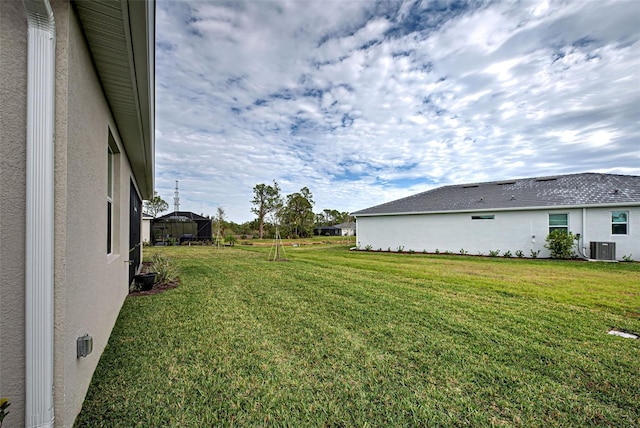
pixel 603 250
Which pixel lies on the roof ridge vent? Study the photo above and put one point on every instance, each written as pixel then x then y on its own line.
pixel 547 178
pixel 466 186
pixel 500 183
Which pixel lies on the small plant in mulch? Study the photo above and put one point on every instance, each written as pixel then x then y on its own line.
pixel 166 275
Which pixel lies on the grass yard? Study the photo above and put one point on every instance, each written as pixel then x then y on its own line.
pixel 337 338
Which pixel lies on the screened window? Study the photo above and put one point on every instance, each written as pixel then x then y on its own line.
pixel 558 222
pixel 619 222
pixel 109 200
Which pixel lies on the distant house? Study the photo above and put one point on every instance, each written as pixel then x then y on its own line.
pixel 77 144
pixel 347 229
pixel 179 224
pixel 146 227
pixel 327 231
pixel 512 215
pixel 342 229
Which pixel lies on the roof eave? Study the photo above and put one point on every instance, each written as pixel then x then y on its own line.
pixel 132 104
pixel 533 208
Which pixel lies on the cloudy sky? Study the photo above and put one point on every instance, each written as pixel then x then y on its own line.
pixel 365 102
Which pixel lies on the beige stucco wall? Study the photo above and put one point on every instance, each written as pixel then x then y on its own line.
pixel 13 110
pixel 90 286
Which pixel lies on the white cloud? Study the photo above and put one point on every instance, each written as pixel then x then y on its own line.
pixel 366 102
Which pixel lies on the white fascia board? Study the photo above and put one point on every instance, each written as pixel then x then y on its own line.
pixel 485 210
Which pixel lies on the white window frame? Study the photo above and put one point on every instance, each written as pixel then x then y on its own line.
pixel 626 223
pixel 110 180
pixel 553 227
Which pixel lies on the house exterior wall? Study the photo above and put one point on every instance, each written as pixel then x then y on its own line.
pixel 13 114
pixel 146 230
pixel 89 285
pixel 348 232
pixel 508 231
pixel 598 229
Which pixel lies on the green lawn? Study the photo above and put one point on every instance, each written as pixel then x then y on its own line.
pixel 339 338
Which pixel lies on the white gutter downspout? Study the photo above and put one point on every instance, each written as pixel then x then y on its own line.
pixel 39 213
pixel 584 234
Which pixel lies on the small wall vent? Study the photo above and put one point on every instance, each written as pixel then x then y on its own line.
pixel 603 250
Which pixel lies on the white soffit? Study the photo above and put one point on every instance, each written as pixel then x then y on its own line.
pixel 121 37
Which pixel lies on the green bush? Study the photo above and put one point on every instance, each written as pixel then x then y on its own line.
pixel 163 266
pixel 560 244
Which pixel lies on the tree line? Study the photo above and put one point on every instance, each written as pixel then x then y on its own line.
pixel 292 215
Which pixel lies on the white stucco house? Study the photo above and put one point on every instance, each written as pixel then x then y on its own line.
pixel 512 215
pixel 347 228
pixel 146 228
pixel 77 159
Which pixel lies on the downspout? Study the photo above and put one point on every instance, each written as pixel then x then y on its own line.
pixel 39 214
pixel 581 236
pixel 584 234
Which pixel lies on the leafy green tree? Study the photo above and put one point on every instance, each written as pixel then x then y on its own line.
pixel 155 205
pixel 560 244
pixel 266 200
pixel 297 214
pixel 329 217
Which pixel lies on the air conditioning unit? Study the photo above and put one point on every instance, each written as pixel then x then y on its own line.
pixel 603 250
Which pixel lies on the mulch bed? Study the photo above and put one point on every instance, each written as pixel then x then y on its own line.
pixel 157 288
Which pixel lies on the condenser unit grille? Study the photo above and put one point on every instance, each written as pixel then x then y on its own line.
pixel 603 250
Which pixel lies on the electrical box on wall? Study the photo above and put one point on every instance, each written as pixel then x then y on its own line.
pixel 84 345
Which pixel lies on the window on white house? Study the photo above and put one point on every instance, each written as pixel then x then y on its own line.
pixel 558 222
pixel 483 217
pixel 109 200
pixel 619 222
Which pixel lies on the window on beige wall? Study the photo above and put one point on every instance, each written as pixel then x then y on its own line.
pixel 112 194
pixel 109 200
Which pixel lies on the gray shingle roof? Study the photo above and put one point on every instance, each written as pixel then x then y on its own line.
pixel 563 190
pixel 347 225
